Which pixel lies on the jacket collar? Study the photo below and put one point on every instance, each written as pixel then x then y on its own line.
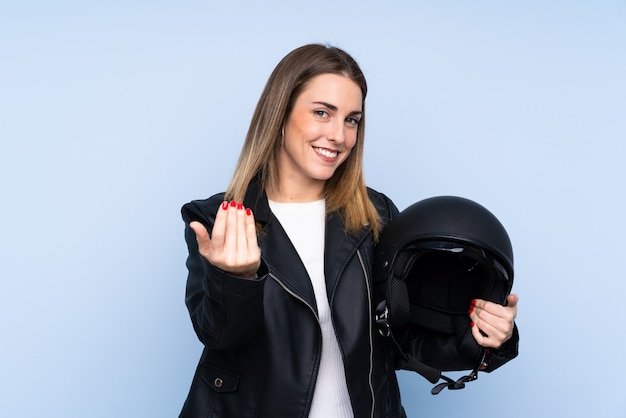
pixel 256 199
pixel 278 252
pixel 339 249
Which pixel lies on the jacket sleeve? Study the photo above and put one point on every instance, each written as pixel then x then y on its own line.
pixel 226 311
pixel 508 351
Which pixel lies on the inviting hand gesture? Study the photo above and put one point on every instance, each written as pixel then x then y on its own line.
pixel 233 245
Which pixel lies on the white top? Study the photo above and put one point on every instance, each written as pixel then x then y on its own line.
pixel 305 226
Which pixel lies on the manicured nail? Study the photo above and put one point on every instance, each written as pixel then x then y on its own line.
pixel 224 205
pixel 471 309
pixel 233 203
pixel 472 323
pixel 248 211
pixel 239 205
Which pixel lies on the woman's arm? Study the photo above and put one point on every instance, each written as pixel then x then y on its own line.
pixel 226 310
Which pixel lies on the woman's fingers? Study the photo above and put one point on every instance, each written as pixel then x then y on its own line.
pixel 242 238
pixel 218 234
pixel 250 225
pixel 202 237
pixel 254 251
pixel 492 324
pixel 487 335
pixel 229 249
pixel 234 245
pixel 512 300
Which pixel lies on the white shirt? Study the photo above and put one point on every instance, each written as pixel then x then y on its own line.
pixel 305 226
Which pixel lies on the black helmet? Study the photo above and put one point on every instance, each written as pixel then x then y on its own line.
pixel 435 258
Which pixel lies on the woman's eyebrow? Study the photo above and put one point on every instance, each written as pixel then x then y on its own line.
pixel 328 105
pixel 334 108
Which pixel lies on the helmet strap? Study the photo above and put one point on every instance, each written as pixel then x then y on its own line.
pixel 460 382
pixel 409 362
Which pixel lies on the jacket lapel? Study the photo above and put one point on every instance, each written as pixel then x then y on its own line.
pixel 340 249
pixel 277 250
pixel 280 256
pixel 279 253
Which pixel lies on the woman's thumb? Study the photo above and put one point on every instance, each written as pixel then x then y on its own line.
pixel 202 235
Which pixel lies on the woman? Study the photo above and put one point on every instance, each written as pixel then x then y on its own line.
pixel 279 287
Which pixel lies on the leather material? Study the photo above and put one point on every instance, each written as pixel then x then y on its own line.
pixel 262 337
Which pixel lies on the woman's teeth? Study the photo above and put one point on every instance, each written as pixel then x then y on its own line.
pixel 325 152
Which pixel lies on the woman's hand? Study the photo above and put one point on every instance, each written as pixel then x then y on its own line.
pixel 492 324
pixel 233 245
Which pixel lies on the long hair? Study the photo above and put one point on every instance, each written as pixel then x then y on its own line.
pixel 345 191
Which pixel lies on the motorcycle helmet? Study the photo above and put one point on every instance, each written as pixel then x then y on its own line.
pixel 432 260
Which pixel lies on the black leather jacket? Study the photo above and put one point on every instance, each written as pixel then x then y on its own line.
pixel 262 337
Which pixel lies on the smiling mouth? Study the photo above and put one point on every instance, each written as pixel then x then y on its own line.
pixel 326 152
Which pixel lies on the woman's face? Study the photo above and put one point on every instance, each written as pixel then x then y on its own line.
pixel 321 130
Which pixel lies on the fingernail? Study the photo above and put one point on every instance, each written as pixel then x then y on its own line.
pixel 472 323
pixel 233 203
pixel 248 211
pixel 224 205
pixel 239 205
pixel 471 309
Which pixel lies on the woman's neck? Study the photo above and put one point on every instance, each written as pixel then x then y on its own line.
pixel 295 192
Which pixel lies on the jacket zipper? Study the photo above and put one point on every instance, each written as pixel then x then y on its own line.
pixel 317 365
pixel 296 296
pixel 369 300
pixel 369 316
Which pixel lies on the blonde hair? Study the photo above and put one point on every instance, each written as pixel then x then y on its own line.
pixel 345 191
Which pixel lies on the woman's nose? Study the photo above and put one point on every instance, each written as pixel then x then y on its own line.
pixel 337 132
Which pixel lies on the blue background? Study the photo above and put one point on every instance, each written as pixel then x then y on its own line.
pixel 113 114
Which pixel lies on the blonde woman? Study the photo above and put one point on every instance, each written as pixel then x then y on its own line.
pixel 280 265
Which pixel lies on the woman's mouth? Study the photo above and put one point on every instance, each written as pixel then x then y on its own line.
pixel 326 153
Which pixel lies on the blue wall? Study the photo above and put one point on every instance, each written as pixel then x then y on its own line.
pixel 113 114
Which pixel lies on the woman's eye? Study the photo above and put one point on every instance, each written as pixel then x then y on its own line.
pixel 321 113
pixel 353 121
